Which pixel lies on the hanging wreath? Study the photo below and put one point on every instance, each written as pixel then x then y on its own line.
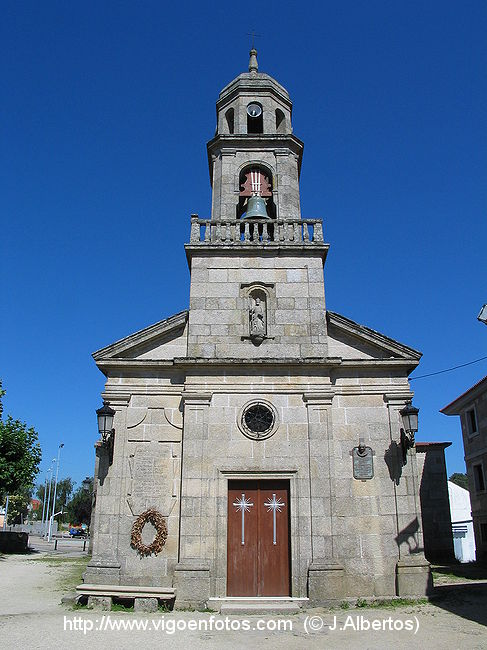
pixel 155 518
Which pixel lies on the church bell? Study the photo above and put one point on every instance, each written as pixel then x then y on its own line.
pixel 256 208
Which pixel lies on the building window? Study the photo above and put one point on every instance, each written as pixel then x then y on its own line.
pixel 471 420
pixel 478 477
pixel 258 420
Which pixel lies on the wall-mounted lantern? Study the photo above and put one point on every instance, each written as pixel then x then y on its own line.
pixel 105 416
pixel 409 415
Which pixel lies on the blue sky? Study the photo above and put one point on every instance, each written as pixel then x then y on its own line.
pixel 106 109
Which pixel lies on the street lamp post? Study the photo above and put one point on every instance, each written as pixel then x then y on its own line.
pixel 55 490
pixel 49 498
pixel 44 508
pixel 44 503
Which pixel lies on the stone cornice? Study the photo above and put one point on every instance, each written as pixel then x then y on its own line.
pixel 398 398
pixel 253 142
pixel 372 336
pixel 173 323
pixel 190 397
pixel 319 398
pixel 380 363
pixel 258 84
pixel 183 362
pixel 116 398
pixel 313 249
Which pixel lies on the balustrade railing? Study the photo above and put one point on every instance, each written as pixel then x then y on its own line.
pixel 256 231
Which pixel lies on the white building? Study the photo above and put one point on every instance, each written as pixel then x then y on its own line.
pixel 462 523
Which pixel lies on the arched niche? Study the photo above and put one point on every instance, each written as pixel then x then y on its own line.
pixel 258 314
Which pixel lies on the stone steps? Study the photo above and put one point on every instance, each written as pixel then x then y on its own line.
pixel 257 606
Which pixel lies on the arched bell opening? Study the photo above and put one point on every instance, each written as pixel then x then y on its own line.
pixel 255 118
pixel 256 181
pixel 256 203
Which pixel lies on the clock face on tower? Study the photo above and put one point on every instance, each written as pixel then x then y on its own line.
pixel 254 109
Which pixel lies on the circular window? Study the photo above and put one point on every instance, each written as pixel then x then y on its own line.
pixel 254 109
pixel 258 420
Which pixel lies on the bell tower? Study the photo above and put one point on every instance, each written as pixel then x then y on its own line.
pixel 256 266
pixel 254 151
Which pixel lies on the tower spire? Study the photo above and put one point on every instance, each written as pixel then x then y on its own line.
pixel 253 65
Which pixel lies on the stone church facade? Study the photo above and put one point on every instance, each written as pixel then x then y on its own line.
pixel 262 427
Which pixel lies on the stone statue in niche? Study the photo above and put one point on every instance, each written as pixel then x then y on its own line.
pixel 257 315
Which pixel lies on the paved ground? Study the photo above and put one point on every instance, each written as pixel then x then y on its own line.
pixel 31 587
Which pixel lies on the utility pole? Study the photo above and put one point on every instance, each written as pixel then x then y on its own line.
pixel 55 491
pixel 5 515
pixel 49 499
pixel 44 505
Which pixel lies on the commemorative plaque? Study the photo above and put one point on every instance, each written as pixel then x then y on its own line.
pixel 363 462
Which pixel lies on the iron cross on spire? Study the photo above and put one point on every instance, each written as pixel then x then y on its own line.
pixel 253 34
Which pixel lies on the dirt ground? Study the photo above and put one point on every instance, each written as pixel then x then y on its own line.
pixel 31 587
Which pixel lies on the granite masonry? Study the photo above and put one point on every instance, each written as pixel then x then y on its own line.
pixel 257 389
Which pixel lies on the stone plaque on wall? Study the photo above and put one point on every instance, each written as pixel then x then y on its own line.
pixel 363 463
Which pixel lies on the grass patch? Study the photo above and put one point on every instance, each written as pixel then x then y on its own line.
pixel 393 603
pixel 69 570
pixel 121 607
pixel 381 603
pixel 441 577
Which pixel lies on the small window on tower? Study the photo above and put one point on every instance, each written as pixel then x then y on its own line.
pixel 478 478
pixel 471 419
pixel 255 121
pixel 280 121
pixel 230 120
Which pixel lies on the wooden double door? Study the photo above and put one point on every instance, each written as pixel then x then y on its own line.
pixel 258 553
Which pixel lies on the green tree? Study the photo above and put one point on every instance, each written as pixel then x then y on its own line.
pixel 79 508
pixel 459 479
pixel 63 494
pixel 20 455
pixel 18 508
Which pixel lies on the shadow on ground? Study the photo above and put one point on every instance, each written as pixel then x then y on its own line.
pixel 468 570
pixel 466 600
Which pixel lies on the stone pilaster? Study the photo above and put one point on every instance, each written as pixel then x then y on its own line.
pixel 104 567
pixel 326 583
pixel 192 574
pixel 413 571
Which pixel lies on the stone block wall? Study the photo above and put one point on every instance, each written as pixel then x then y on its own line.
pixel 435 502
pixel 219 306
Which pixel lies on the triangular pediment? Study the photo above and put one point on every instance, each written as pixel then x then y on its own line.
pixel 350 340
pixel 163 340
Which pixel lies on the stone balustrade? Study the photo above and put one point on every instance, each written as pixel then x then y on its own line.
pixel 256 231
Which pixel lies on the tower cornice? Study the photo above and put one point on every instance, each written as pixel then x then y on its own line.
pixel 251 142
pixel 253 87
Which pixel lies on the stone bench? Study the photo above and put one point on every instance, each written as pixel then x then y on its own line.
pixel 146 599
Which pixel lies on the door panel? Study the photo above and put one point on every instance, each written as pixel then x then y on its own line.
pixel 260 566
pixel 274 557
pixel 242 558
